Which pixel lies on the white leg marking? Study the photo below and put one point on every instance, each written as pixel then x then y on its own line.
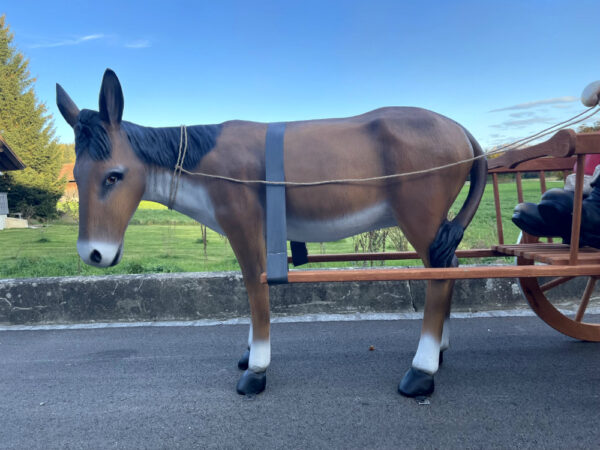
pixel 445 336
pixel 427 357
pixel 260 355
pixel 250 336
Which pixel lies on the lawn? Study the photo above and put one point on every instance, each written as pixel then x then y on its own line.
pixel 159 240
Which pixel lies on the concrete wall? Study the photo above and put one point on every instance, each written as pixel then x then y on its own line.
pixel 13 222
pixel 193 296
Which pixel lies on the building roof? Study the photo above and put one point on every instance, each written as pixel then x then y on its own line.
pixel 8 159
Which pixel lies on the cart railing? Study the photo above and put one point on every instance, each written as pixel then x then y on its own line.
pixel 560 153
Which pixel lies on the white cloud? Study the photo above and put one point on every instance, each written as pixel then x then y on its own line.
pixel 522 123
pixel 518 115
pixel 110 39
pixel 91 37
pixel 140 43
pixel 76 41
pixel 536 103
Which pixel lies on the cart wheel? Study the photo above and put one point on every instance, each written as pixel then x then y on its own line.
pixel 541 293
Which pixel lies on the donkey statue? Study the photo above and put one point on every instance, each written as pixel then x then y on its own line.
pixel 119 163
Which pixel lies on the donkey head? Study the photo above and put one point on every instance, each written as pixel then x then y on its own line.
pixel 110 178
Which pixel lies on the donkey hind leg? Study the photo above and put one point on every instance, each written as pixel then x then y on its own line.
pixel 445 340
pixel 418 381
pixel 445 344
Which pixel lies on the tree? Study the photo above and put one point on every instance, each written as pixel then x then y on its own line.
pixel 27 127
pixel 68 153
pixel 589 129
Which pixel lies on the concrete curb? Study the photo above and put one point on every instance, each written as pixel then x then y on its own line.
pixel 222 296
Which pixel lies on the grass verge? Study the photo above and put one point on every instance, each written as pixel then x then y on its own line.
pixel 159 240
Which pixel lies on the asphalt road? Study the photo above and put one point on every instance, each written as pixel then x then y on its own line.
pixel 506 382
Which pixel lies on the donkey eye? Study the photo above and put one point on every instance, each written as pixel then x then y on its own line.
pixel 112 178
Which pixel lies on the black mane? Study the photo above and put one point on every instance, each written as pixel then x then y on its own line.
pixel 90 135
pixel 158 146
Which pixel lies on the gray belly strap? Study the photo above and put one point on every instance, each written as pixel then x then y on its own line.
pixel 276 227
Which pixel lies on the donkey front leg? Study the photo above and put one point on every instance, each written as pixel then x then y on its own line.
pixel 245 358
pixel 418 381
pixel 257 358
pixel 246 237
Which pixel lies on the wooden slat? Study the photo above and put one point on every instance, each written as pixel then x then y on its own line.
pixel 577 207
pixel 536 165
pixel 530 253
pixel 543 189
pixel 562 258
pixel 589 289
pixel 555 282
pixel 549 253
pixel 531 246
pixel 588 143
pixel 394 256
pixel 521 249
pixel 543 182
pixel 497 206
pixel 519 181
pixel 561 145
pixel 450 273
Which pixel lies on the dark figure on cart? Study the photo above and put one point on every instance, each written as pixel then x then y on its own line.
pixel 552 217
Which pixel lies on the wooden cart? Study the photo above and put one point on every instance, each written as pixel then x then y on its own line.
pixel 540 266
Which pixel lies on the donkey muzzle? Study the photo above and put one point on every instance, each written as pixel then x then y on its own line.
pixel 100 254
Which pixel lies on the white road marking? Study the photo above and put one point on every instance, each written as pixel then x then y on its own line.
pixel 279 319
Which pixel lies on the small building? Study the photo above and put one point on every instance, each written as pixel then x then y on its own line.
pixel 71 192
pixel 3 210
pixel 8 161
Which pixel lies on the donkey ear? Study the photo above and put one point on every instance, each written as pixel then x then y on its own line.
pixel 111 99
pixel 66 106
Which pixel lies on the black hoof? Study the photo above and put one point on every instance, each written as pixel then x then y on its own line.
pixel 416 383
pixel 243 362
pixel 252 383
pixel 441 360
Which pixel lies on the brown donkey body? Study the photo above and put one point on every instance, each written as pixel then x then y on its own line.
pixel 119 163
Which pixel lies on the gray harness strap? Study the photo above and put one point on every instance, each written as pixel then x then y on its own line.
pixel 277 265
pixel 277 259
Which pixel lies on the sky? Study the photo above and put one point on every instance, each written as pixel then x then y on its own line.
pixel 503 69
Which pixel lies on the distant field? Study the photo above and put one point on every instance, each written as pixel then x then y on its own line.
pixel 159 240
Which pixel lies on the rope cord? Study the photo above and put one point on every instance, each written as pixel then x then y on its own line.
pixel 514 145
pixel 183 142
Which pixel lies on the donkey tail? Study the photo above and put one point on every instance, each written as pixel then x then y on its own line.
pixel 450 233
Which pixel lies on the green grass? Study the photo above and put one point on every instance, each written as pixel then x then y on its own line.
pixel 159 240
pixel 482 231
